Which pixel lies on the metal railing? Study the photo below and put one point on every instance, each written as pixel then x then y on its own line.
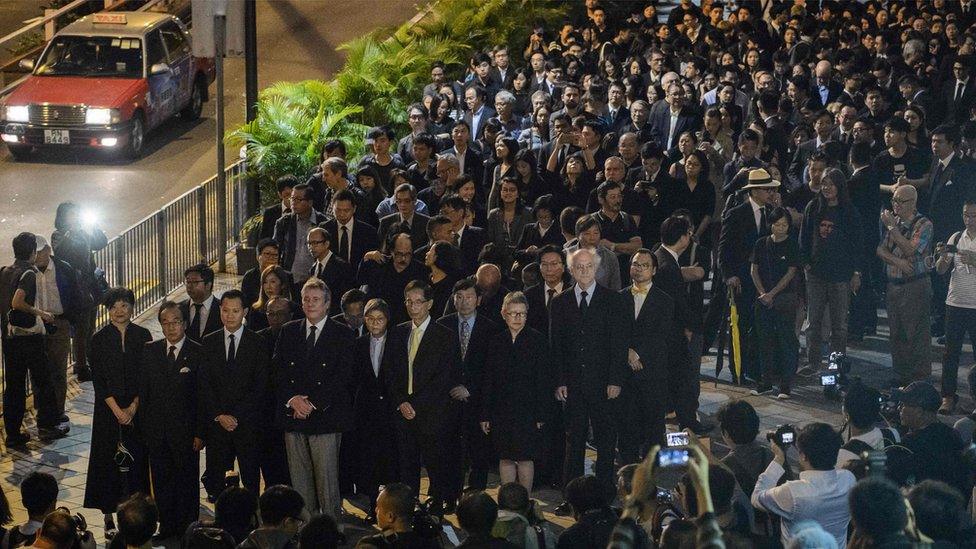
pixel 149 257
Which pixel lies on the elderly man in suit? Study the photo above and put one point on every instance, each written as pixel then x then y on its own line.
pixel 589 348
pixel 425 383
pixel 473 332
pixel 168 408
pixel 201 310
pixel 644 396
pixel 742 226
pixel 291 232
pixel 233 389
pixel 668 124
pixel 313 365
pixel 406 218
pixel 349 238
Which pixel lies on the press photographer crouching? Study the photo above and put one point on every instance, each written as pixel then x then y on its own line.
pixel 397 517
pixel 62 530
pixel 820 492
pixel 862 414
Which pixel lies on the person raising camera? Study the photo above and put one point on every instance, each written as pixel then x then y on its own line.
pixel 820 492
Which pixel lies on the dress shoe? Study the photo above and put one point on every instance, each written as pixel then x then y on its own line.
pixel 51 433
pixel 19 440
pixel 564 509
pixel 762 389
pixel 700 428
pixel 948 405
pixel 63 419
pixel 83 374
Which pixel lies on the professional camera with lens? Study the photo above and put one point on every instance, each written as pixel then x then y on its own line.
pixel 836 377
pixel 83 538
pixel 783 436
pixel 890 401
pixel 426 524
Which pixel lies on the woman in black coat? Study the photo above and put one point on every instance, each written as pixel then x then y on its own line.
pixel 515 392
pixel 116 352
pixel 373 438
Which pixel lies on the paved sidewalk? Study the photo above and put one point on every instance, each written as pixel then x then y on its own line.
pixel 67 459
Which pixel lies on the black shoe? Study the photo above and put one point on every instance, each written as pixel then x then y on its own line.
pixel 564 509
pixel 450 506
pixel 700 428
pixel 51 433
pixel 762 389
pixel 83 374
pixel 19 440
pixel 63 418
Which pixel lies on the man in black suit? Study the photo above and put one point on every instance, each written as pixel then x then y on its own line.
pixel 824 88
pixel 315 386
pixel 470 240
pixel 292 230
pixel 425 384
pixel 268 255
pixel 271 214
pixel 618 115
pixel 385 276
pixel 466 150
pixel 644 397
pixel 741 227
pixel 233 389
pixel 352 304
pixel 589 347
pixel 472 332
pixel 822 126
pixel 478 113
pixel 559 148
pixel 676 234
pixel 273 459
pixel 406 217
pixel 502 73
pixel 915 95
pixel 327 266
pixel 959 92
pixel 204 316
pixel 173 430
pixel 668 124
pixel 349 238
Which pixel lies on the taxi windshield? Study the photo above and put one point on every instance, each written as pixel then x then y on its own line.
pixel 103 56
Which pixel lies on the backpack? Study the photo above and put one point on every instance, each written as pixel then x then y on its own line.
pixel 10 277
pixel 858 447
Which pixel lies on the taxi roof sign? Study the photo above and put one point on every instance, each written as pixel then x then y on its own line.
pixel 109 18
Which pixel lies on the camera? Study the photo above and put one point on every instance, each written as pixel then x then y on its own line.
pixel 889 402
pixel 836 377
pixel 828 380
pixel 83 538
pixel 677 439
pixel 671 457
pixel 783 436
pixel 425 523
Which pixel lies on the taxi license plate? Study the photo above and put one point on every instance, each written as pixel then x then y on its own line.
pixel 57 137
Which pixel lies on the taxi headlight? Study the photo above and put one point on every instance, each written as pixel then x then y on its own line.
pixel 101 117
pixel 17 113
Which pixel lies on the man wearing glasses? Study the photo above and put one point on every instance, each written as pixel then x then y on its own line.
pixel 905 244
pixel 291 233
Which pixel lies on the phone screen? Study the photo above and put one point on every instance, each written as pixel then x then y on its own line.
pixel 677 439
pixel 672 457
pixel 787 438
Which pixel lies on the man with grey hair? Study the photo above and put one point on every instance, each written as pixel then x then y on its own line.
pixel 505 107
pixel 589 357
pixel 828 89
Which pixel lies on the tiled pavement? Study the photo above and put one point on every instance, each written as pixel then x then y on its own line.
pixel 67 459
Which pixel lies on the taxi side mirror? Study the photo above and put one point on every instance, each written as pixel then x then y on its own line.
pixel 26 64
pixel 159 68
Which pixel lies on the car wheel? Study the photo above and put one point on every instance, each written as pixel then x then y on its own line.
pixel 19 152
pixel 195 107
pixel 137 138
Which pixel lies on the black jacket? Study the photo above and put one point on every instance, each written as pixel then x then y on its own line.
pixel 418 228
pixel 240 388
pixel 473 362
pixel 284 234
pixel 269 217
pixel 647 334
pixel 168 403
pixel 213 319
pixel 738 236
pixel 364 239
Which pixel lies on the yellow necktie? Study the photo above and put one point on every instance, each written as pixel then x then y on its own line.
pixel 414 344
pixel 637 290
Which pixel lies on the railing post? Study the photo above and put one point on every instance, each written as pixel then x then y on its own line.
pixel 202 220
pixel 50 27
pixel 120 261
pixel 162 268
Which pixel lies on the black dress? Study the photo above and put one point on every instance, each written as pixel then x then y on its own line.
pixel 116 374
pixel 516 392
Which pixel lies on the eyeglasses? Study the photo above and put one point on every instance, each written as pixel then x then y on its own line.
pixel 641 266
pixel 413 302
pixel 192 282
pixel 316 242
pixel 902 200
pixel 518 314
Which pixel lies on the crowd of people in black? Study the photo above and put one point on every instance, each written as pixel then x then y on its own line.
pixel 540 264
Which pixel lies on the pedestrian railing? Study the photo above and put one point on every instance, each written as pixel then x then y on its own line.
pixel 149 258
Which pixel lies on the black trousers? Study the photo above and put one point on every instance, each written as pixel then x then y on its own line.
pixel 863 316
pixel 582 413
pixel 272 458
pixel 549 469
pixel 175 486
pixel 23 354
pixel 940 290
pixel 958 322
pixel 437 452
pixel 222 448
pixel 475 451
pixel 640 421
pixel 682 381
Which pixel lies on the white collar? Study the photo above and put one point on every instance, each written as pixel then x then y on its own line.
pixel 178 345
pixel 325 261
pixel 945 162
pixel 237 334
pixel 673 253
pixel 755 207
pixel 318 325
pixel 423 325
pixel 589 291
pixel 558 287
pixel 460 231
pixel 348 225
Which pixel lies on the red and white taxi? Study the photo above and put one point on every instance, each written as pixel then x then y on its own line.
pixel 104 82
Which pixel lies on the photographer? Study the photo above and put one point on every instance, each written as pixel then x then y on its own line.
pixel 395 517
pixel 862 411
pixel 39 495
pixel 936 448
pixel 819 494
pixel 747 458
pixel 138 519
pixel 281 518
pixel 58 531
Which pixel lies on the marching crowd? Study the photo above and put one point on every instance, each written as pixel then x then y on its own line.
pixel 523 274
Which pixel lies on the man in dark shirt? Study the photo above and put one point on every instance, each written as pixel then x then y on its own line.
pixel 900 163
pixel 385 277
pixel 618 228
pixel 936 448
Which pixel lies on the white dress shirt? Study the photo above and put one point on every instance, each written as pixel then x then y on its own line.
pixel 589 293
pixel 558 288
pixel 48 295
pixel 319 265
pixel 318 328
pixel 178 345
pixel 820 496
pixel 757 213
pixel 376 346
pixel 639 299
pixel 237 341
pixel 204 312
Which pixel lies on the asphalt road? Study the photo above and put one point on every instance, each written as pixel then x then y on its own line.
pixel 296 41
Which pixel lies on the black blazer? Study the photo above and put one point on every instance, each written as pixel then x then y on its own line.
pixel 213 320
pixel 269 217
pixel 957 111
pixel 688 120
pixel 363 240
pixel 473 362
pixel 668 279
pixel 495 76
pixel 168 403
pixel 648 334
pixel 947 193
pixel 326 375
pixel 738 236
pixel 284 234
pixel 472 241
pixel 530 236
pixel 341 320
pixel 374 407
pixel 418 228
pixel 339 277
pixel 436 370
pixel 239 389
pixel 486 114
pixel 538 310
pixel 474 163
pixel 589 353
